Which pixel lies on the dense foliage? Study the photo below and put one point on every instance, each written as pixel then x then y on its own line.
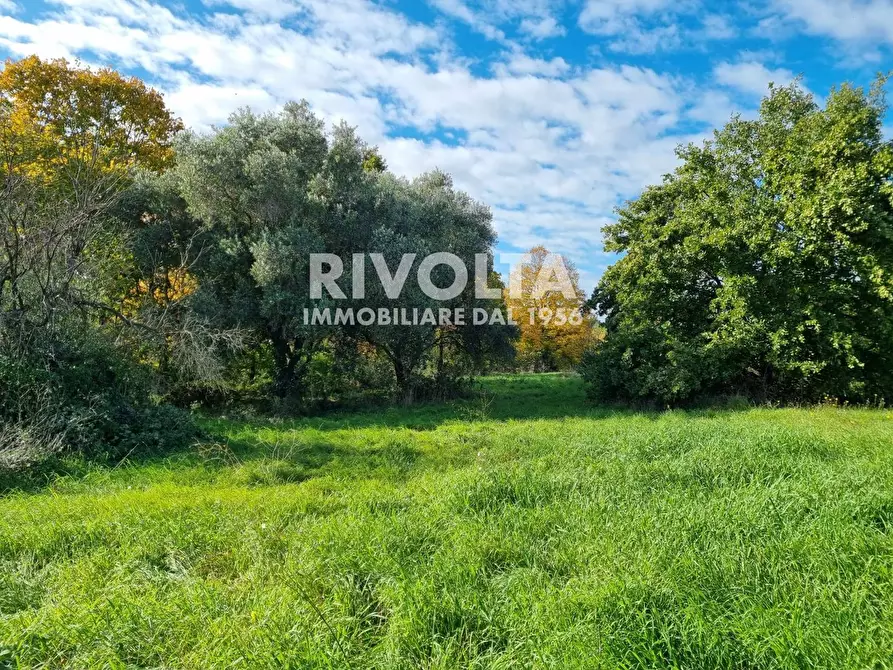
pixel 762 266
pixel 142 267
pixel 70 140
pixel 267 191
pixel 141 264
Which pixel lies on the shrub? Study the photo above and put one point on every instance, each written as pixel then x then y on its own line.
pixel 82 395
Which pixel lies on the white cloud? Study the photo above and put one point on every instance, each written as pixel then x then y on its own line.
pixel 522 64
pixel 858 20
pixel 362 24
pixel 212 103
pixel 638 40
pixel 274 9
pixel 714 108
pixel 8 6
pixel 751 77
pixel 490 18
pixel 550 147
pixel 649 26
pixel 537 17
pixel 459 10
pixel 716 27
pixel 613 16
pixel 542 28
pixel 773 27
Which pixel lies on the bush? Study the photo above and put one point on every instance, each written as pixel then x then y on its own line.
pixel 23 444
pixel 83 396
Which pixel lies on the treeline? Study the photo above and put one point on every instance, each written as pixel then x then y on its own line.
pixel 762 266
pixel 146 268
pixel 241 211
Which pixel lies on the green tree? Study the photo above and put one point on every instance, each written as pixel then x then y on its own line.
pixel 763 265
pixel 424 216
pixel 268 191
pixel 253 186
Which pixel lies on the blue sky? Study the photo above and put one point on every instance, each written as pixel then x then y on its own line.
pixel 552 112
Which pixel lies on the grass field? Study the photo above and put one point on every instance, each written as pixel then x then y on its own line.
pixel 520 529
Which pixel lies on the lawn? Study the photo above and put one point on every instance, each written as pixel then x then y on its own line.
pixel 523 528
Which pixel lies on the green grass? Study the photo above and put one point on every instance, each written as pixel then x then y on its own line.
pixel 523 529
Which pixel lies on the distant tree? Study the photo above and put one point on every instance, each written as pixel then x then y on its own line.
pixel 555 328
pixel 763 265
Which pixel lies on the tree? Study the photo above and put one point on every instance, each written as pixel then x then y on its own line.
pixel 373 161
pixel 268 191
pixel 71 141
pixel 184 336
pixel 271 190
pixel 61 117
pixel 555 327
pixel 763 265
pixel 422 217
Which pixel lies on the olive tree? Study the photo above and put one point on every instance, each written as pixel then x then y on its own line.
pixel 410 221
pixel 251 186
pixel 269 191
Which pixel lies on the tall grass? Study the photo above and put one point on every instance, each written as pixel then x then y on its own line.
pixel 519 529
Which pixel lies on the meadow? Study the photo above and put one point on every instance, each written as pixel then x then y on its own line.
pixel 522 528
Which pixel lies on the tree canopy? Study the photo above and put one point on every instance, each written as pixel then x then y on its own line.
pixel 266 191
pixel 140 263
pixel 762 266
pixel 71 142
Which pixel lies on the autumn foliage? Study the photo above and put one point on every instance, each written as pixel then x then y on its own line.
pixel 72 141
pixel 555 327
pixel 55 114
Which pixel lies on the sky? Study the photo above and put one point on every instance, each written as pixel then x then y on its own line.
pixel 553 112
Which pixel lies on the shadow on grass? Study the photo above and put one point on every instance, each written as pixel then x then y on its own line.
pixel 240 443
pixel 502 398
pixel 246 462
pixel 40 475
pixel 525 397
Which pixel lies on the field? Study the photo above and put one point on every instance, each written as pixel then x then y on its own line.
pixel 523 528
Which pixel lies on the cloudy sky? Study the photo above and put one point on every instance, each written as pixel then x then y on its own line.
pixel 551 111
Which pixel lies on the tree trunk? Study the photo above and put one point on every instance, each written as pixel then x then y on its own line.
pixel 440 358
pixel 286 355
pixel 404 380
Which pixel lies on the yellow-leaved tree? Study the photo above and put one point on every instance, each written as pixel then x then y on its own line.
pixel 546 301
pixel 74 142
pixel 71 140
pixel 56 117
